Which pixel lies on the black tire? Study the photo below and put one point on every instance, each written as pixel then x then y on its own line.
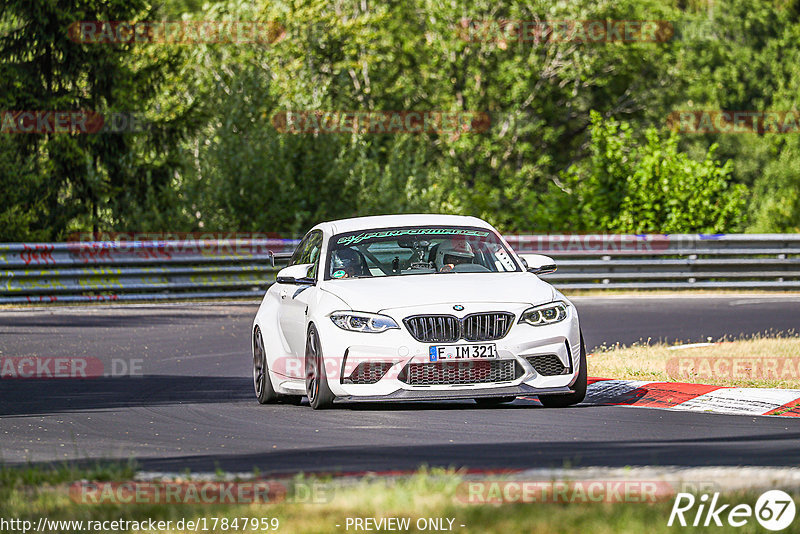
pixel 493 401
pixel 318 391
pixel 562 401
pixel 265 393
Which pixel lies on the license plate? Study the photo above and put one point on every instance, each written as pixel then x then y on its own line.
pixel 487 351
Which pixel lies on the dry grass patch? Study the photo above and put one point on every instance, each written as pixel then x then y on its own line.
pixel 759 362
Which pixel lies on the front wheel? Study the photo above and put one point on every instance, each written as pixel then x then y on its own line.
pixel 318 391
pixel 562 401
pixel 265 393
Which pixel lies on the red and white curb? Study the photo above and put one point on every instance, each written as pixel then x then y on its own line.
pixel 694 397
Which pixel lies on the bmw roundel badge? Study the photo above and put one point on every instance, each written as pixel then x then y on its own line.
pixel 458 307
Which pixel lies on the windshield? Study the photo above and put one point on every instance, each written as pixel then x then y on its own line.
pixel 417 250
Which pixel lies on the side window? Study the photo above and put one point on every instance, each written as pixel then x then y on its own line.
pixel 312 252
pixel 308 251
pixel 298 252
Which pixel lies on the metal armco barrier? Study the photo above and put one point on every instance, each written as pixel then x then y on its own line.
pixel 672 261
pixel 138 270
pixel 151 270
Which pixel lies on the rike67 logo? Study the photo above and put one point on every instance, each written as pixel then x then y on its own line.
pixel 774 510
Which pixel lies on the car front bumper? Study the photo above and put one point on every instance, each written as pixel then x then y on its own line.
pixel 396 349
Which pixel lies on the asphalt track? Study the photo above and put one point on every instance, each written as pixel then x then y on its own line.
pixel 192 405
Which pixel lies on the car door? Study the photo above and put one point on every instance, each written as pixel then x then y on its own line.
pixel 294 301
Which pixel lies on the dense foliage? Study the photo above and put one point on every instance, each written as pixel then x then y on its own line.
pixel 578 140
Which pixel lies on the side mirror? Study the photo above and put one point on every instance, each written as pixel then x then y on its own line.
pixel 295 274
pixel 538 264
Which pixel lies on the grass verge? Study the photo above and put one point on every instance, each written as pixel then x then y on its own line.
pixel 429 494
pixel 758 362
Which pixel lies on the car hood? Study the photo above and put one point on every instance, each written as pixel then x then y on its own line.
pixel 386 293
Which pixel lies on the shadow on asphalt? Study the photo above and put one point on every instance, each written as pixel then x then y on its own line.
pixel 21 397
pixel 758 449
pixel 109 320
pixel 465 404
pixel 24 397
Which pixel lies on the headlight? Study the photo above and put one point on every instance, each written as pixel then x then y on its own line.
pixel 553 312
pixel 362 321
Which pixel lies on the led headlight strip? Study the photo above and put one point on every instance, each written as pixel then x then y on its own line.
pixel 553 312
pixel 362 321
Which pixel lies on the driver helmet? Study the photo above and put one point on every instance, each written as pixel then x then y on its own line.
pixel 347 260
pixel 454 252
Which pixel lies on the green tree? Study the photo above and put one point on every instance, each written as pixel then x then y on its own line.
pixel 213 159
pixel 648 188
pixel 743 55
pixel 66 182
pixel 401 55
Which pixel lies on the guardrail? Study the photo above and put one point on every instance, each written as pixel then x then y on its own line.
pixel 152 270
pixel 139 270
pixel 673 261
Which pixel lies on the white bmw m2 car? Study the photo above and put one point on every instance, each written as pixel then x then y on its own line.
pixel 415 307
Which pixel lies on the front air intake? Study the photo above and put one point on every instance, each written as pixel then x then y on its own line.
pixel 367 373
pixel 464 372
pixel 548 365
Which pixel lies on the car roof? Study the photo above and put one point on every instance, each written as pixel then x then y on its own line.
pixel 387 221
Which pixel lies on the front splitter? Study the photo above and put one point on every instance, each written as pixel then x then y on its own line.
pixel 437 395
